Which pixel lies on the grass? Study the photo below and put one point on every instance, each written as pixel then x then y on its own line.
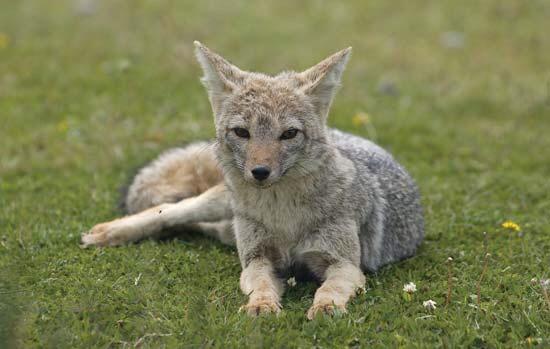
pixel 458 91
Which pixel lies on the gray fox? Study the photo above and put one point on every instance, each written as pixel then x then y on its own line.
pixel 289 192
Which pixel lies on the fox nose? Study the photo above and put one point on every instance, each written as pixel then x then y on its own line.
pixel 261 172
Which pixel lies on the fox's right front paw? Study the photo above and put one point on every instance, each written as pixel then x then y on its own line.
pixel 261 306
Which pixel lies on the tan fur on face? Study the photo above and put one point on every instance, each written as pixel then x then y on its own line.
pixel 260 154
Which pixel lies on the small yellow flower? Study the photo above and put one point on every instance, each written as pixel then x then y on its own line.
pixel 4 41
pixel 360 119
pixel 511 225
pixel 63 126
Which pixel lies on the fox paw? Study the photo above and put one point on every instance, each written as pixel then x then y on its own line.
pixel 104 234
pixel 261 306
pixel 327 308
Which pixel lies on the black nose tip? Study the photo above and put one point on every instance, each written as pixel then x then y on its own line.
pixel 261 172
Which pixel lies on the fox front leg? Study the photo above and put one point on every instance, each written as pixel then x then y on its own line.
pixel 263 287
pixel 334 255
pixel 342 281
pixel 258 278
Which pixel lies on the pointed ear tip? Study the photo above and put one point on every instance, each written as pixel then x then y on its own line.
pixel 198 44
pixel 343 54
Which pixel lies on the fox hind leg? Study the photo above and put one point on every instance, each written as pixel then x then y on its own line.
pixel 208 212
pixel 154 200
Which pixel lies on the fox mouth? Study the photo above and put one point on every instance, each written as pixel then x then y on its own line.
pixel 267 183
pixel 263 185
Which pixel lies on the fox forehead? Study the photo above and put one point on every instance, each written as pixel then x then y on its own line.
pixel 267 99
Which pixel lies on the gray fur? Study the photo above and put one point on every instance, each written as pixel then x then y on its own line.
pixel 387 200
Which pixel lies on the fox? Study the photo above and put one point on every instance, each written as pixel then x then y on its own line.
pixel 294 196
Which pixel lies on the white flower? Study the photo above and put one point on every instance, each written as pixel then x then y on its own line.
pixel 545 283
pixel 429 304
pixel 291 282
pixel 534 281
pixel 409 288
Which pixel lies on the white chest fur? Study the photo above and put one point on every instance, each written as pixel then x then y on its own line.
pixel 285 212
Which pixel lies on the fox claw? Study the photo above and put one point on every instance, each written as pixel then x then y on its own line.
pixel 104 234
pixel 330 309
pixel 261 307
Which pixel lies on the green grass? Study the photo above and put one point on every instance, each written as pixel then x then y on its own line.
pixel 84 99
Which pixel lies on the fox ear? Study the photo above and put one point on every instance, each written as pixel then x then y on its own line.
pixel 220 77
pixel 322 80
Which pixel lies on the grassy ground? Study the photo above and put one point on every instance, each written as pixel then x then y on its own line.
pixel 89 90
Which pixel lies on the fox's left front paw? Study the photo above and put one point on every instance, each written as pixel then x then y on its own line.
pixel 325 307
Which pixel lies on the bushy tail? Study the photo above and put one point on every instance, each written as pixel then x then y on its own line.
pixel 176 174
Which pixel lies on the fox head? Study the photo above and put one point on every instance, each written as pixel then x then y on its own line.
pixel 270 127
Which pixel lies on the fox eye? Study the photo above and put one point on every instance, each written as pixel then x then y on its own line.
pixel 241 132
pixel 289 134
